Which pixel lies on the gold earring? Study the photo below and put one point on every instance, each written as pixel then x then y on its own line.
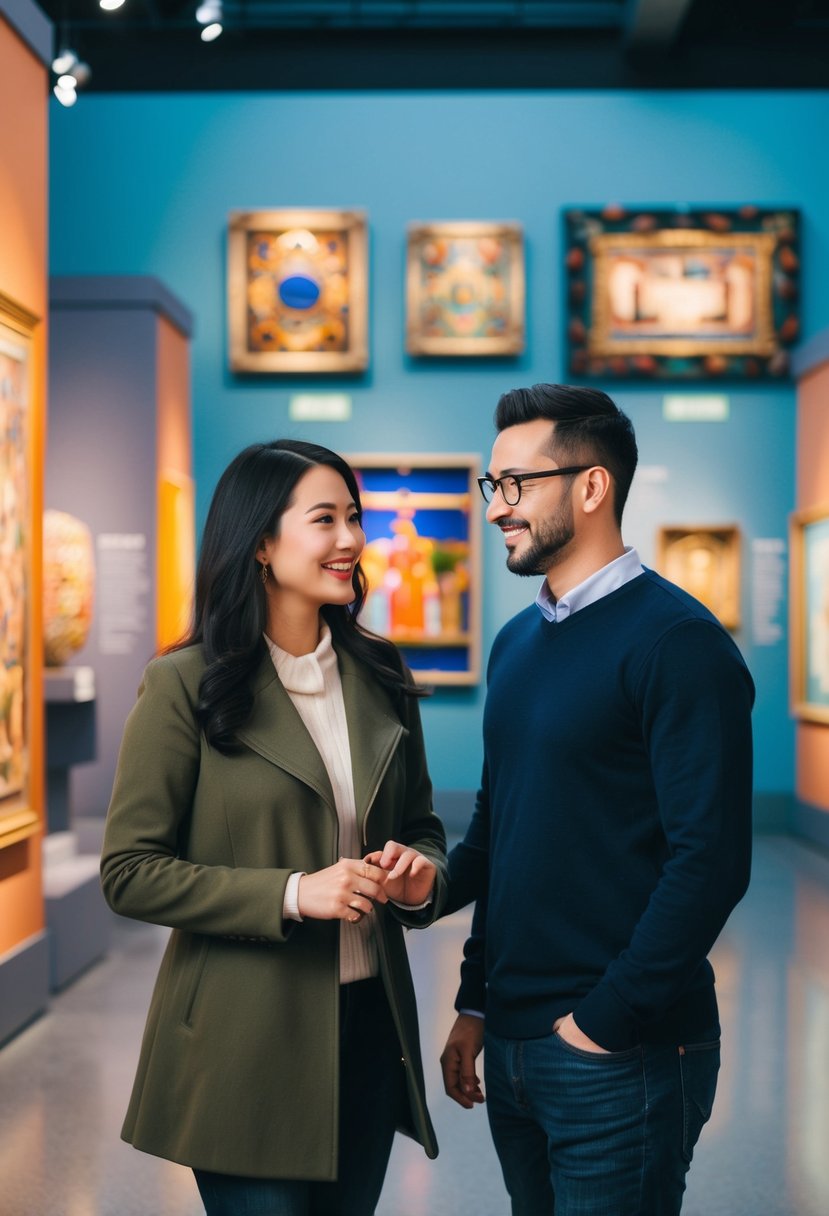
pixel 264 574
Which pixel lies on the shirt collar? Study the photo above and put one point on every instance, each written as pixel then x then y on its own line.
pixel 610 578
pixel 304 673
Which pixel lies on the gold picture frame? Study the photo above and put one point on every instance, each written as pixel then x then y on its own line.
pixel 725 310
pixel 465 288
pixel 704 560
pixel 682 294
pixel 19 582
pixel 809 613
pixel 298 291
pixel 423 559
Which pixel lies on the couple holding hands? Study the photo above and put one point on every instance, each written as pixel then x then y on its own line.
pixel 272 805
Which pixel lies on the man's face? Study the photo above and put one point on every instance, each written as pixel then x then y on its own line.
pixel 539 530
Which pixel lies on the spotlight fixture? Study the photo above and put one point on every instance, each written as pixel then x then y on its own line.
pixel 71 73
pixel 209 17
pixel 64 61
pixel 209 12
pixel 109 6
pixel 66 96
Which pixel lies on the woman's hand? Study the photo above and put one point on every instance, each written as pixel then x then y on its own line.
pixel 345 891
pixel 410 876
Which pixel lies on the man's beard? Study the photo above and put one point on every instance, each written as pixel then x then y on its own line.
pixel 547 544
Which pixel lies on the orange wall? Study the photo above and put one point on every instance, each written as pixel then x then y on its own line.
pixel 173 398
pixel 23 277
pixel 176 542
pixel 812 738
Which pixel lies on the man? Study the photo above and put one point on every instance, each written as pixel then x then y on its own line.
pixel 611 836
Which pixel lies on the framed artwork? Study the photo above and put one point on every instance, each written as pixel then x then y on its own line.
pixel 18 818
pixel 809 614
pixel 705 562
pixel 682 294
pixel 465 289
pixel 422 560
pixel 297 289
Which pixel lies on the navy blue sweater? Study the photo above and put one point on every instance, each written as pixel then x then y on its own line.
pixel 612 833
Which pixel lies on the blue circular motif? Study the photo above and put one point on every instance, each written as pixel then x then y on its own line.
pixel 299 291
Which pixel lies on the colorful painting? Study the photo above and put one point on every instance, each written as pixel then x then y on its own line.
pixel 810 614
pixel 17 819
pixel 682 294
pixel 422 560
pixel 465 289
pixel 705 562
pixel 297 291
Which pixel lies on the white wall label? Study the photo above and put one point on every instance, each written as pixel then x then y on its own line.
pixel 320 407
pixel 768 590
pixel 123 584
pixel 695 407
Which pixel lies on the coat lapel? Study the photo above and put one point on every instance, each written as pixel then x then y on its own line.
pixel 374 731
pixel 276 732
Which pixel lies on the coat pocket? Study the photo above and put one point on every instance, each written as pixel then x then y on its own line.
pixel 192 981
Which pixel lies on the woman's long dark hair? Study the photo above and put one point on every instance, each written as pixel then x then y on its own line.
pixel 231 605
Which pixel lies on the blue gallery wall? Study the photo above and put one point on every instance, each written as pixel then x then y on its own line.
pixel 143 185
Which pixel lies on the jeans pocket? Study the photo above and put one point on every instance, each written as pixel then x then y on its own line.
pixel 699 1064
pixel 601 1057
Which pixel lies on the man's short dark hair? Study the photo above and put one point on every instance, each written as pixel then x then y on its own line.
pixel 589 429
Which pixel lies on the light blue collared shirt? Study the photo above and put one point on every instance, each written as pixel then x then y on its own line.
pixel 610 578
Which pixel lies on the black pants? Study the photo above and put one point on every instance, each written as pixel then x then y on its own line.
pixel 372 1094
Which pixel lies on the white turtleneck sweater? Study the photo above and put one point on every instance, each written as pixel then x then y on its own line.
pixel 312 681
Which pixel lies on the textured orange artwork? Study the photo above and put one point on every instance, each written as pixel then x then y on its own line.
pixel 14 517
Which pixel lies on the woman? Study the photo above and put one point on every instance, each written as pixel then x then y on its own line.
pixel 272 805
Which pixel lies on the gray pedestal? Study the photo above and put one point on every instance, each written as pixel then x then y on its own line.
pixel 69 693
pixel 77 916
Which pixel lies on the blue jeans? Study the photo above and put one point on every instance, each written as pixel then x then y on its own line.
pixel 369 1048
pixel 584 1134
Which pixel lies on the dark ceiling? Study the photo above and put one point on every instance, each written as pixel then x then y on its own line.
pixel 450 44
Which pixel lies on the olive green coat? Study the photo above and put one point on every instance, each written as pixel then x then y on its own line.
pixel 238 1070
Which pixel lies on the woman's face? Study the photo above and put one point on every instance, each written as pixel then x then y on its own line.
pixel 312 558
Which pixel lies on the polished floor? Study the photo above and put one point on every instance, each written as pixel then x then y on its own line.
pixel 64 1081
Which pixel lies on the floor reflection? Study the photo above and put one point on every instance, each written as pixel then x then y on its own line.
pixel 64 1081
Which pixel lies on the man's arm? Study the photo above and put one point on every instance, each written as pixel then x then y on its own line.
pixel 468 880
pixel 469 860
pixel 695 697
pixel 466 1038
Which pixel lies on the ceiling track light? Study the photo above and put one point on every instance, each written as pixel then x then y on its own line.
pixel 64 61
pixel 66 97
pixel 209 12
pixel 209 17
pixel 71 73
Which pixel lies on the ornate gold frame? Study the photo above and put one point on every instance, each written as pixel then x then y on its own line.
pixel 726 306
pixel 18 817
pixel 799 613
pixel 352 224
pixel 761 245
pixel 511 341
pixel 717 588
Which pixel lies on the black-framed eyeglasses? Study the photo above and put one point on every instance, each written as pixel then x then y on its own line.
pixel 510 486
